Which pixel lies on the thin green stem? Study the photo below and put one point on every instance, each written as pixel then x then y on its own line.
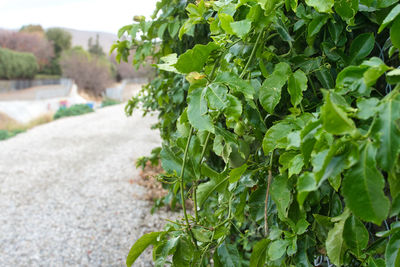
pixel 253 52
pixel 195 184
pixel 196 215
pixel 301 108
pixel 183 186
pixel 267 193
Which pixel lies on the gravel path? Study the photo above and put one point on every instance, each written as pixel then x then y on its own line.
pixel 65 196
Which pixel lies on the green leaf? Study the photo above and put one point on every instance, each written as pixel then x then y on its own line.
pixel 296 165
pixel 196 102
pixel 274 135
pixel 169 61
pixel 297 84
pixel 347 9
pixel 393 76
pixel 226 21
pixel 367 107
pixel 324 6
pixel 376 262
pixel 361 46
pixel 305 185
pixel 355 235
pixel 235 174
pixel 390 17
pixel 124 29
pixel 187 27
pixel 135 28
pixel 392 255
pixel 335 246
pixel 291 4
pixel 229 255
pixel 161 30
pixel 334 119
pixel 172 163
pixel 277 249
pixel 285 159
pixel 202 234
pixel 280 194
pixel 163 250
pixel 388 133
pixel 325 78
pixel 140 245
pixel 395 33
pixel 173 28
pixel 258 256
pixel 283 31
pixel 316 24
pixel 194 59
pixel 204 190
pixel 236 83
pixel 375 71
pixel 270 91
pixel 241 28
pixel 363 188
pixel 216 95
pixel 234 108
pixel 183 253
pixel 386 3
pixel 351 79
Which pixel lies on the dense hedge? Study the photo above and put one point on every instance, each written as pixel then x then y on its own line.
pixel 280 122
pixel 17 65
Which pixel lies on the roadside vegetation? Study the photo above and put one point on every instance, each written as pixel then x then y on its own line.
pixel 109 102
pixel 280 123
pixel 10 128
pixel 74 110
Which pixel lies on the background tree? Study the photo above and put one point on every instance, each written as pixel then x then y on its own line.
pixel 91 74
pixel 95 48
pixel 32 28
pixel 23 41
pixel 60 39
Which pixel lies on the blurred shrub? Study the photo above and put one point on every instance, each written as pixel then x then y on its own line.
pixel 91 73
pixel 74 110
pixel 17 65
pixel 31 41
pixel 109 102
pixel 5 134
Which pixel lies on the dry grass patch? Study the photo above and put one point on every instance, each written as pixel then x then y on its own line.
pixel 10 127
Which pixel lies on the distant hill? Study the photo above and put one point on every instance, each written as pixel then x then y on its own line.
pixel 80 38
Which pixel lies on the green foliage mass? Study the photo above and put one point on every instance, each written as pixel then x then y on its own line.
pixel 60 39
pixel 74 110
pixel 17 65
pixel 280 120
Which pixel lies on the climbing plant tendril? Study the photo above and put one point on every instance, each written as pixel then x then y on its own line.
pixel 280 121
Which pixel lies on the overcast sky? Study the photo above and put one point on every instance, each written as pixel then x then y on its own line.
pixel 92 15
